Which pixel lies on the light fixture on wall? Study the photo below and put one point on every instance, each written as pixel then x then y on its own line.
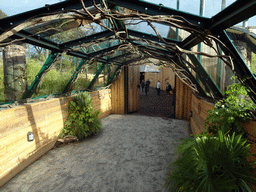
pixel 30 136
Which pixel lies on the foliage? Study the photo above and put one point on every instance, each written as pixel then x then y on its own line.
pixel 212 163
pixel 54 81
pixel 230 113
pixel 82 120
pixel 2 99
pixel 253 63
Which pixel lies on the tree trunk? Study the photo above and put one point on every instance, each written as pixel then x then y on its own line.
pixel 15 79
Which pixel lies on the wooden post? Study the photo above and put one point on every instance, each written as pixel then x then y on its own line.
pixel 15 80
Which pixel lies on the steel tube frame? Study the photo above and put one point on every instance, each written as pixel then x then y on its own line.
pixel 50 60
pixel 70 85
pixel 96 76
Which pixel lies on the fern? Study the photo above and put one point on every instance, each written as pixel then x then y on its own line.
pixel 208 163
pixel 82 120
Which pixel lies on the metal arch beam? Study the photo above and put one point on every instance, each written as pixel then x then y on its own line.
pixel 237 12
pixel 70 83
pixel 190 42
pixel 37 41
pixel 50 60
pixel 86 39
pixel 96 76
pixel 153 9
pixel 150 36
pixel 240 66
pixel 9 22
pixel 118 57
pixel 204 77
pixel 191 77
pixel 93 54
pixel 153 49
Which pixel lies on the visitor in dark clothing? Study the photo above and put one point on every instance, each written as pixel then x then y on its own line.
pixel 142 85
pixel 168 88
pixel 147 87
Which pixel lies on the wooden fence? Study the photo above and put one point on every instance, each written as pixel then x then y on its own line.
pixel 45 119
pixel 183 100
pixel 117 94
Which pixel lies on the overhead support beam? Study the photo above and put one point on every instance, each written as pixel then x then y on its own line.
pixel 38 79
pixel 96 76
pixel 190 41
pixel 153 49
pixel 36 40
pixel 237 12
pixel 115 47
pixel 71 83
pixel 204 77
pixel 154 9
pixel 8 22
pixel 150 36
pixel 83 55
pixel 240 67
pixel 118 24
pixel 191 77
pixel 86 39
pixel 119 57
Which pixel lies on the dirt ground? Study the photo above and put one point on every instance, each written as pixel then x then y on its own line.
pixel 131 153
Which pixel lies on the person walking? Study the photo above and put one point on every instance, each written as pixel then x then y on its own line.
pixel 158 86
pixel 142 85
pixel 147 87
pixel 168 88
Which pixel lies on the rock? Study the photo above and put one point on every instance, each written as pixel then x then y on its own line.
pixel 65 140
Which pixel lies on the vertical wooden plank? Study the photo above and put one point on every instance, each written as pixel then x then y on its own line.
pixel 183 100
pixel 117 94
pixel 133 93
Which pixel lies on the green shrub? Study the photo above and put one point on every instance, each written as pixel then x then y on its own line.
pixel 82 120
pixel 213 164
pixel 32 69
pixel 232 112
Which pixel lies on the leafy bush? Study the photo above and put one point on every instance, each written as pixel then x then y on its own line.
pixel 230 113
pixel 82 120
pixel 208 163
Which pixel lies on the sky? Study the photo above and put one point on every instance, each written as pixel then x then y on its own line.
pixel 12 7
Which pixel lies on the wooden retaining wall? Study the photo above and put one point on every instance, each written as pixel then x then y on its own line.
pixel 199 109
pixel 183 100
pixel 45 119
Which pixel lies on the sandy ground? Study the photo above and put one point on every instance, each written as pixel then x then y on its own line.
pixel 131 153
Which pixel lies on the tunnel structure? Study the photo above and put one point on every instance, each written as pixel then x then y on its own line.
pixel 122 50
